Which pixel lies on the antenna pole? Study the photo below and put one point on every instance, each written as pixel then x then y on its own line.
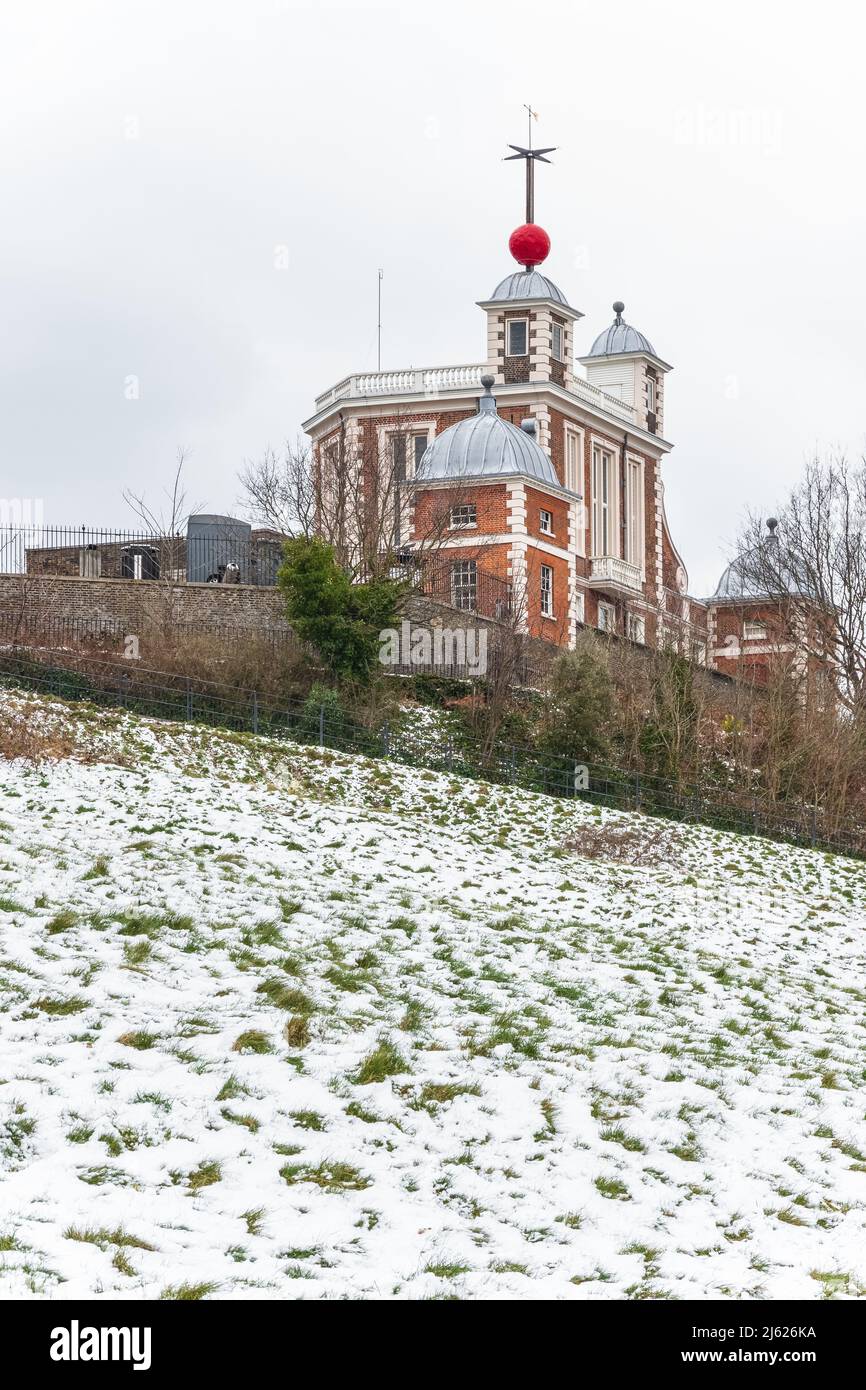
pixel 379 327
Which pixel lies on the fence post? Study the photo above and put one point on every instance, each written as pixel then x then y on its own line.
pixel 449 754
pixel 321 726
pixel 255 712
pixel 188 699
pixel 814 825
pixel 386 739
pixel 637 791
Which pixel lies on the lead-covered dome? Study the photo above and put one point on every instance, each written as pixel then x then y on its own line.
pixel 763 573
pixel 486 446
pixel 620 338
pixel 528 284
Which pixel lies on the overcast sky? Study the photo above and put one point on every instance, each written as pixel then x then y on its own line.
pixel 156 156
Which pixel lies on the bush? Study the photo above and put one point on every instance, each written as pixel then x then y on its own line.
pixel 436 690
pixel 577 717
pixel 342 620
pixel 336 721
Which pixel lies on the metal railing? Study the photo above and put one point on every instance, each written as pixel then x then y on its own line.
pixel 83 552
pixel 446 579
pixel 165 696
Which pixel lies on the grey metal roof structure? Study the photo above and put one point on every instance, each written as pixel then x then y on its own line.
pixel 760 575
pixel 486 446
pixel 528 284
pixel 620 338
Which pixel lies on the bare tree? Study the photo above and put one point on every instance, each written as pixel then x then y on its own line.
pixel 166 523
pixel 812 567
pixel 279 490
pixel 354 490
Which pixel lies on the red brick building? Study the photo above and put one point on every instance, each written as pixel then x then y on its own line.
pixel 541 466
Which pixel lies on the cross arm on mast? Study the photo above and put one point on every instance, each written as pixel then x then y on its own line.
pixel 530 156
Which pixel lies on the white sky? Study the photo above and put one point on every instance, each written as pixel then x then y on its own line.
pixel 709 173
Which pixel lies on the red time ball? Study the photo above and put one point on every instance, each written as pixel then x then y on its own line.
pixel 529 244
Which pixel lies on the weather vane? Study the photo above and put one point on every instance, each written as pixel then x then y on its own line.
pixel 530 244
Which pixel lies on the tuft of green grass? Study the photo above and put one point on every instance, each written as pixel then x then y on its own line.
pixel 254 1040
pixel 98 869
pixel 307 1119
pixel 284 996
pixel 617 1135
pixel 330 1176
pixel 136 952
pixel 613 1188
pixel 59 1008
pixel 253 1219
pixel 62 921
pixel 205 1175
pixel 188 1292
pixel 103 1237
pixel 141 1040
pixel 232 1088
pixel 445 1270
pixel 247 1121
pixel 440 1093
pixel 382 1062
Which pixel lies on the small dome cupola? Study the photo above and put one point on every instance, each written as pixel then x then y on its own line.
pixel 527 284
pixel 763 573
pixel 624 363
pixel 486 446
pixel 620 338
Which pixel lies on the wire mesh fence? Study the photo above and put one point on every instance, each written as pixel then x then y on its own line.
pixel 322 723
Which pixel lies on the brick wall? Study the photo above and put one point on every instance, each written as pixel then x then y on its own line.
pixel 141 604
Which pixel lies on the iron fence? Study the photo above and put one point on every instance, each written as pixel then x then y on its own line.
pixel 166 696
pixel 230 553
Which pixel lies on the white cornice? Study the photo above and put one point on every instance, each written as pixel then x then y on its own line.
pixel 461 399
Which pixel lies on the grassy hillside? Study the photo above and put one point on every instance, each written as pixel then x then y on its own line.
pixel 285 1023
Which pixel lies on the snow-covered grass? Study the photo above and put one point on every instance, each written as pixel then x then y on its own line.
pixel 279 1022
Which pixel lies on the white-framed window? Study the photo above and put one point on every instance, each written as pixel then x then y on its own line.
pixel 517 331
pixel 464 585
pixel 606 617
pixel 699 653
pixel 464 515
pixel 636 628
pixel 546 591
pixel 651 395
pixel 557 341
pixel 579 606
pixel 419 448
pixel 603 501
pixel 545 522
pixel 754 631
pixel 400 450
pixel 634 513
pixel 573 459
